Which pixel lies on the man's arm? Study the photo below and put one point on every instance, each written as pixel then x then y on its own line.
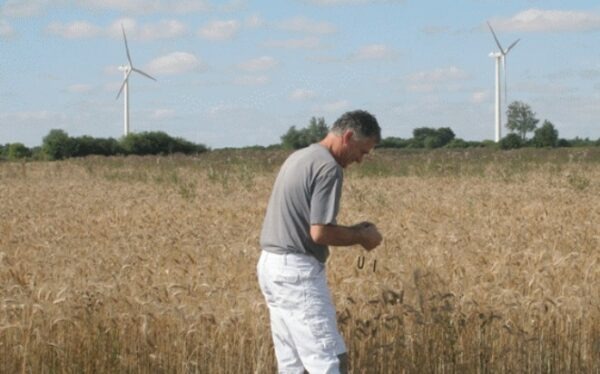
pixel 364 233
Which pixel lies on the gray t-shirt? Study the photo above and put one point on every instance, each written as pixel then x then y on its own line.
pixel 307 191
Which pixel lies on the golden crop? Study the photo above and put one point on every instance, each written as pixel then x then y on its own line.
pixel 490 263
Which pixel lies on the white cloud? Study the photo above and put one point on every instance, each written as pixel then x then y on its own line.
pixel 74 30
pixel 175 63
pixel 146 7
pixel 302 94
pixel 251 80
pixel 334 107
pixel 29 8
pixel 304 25
pixel 254 21
pixel 304 43
pixel 79 88
pixel 23 8
pixel 33 116
pixel 344 2
pixel 479 97
pixel 114 30
pixel 162 114
pixel 186 6
pixel 532 20
pixel 164 29
pixel 373 52
pixel 427 81
pixel 6 30
pixel 435 30
pixel 219 30
pixel 119 5
pixel 263 63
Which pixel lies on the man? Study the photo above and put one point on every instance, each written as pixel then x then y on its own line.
pixel 300 224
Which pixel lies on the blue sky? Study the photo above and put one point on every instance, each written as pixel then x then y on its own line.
pixel 239 73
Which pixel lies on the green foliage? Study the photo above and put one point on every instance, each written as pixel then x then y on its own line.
pixel 295 139
pixel 57 145
pixel 460 143
pixel 546 136
pixel 394 142
pixel 583 142
pixel 511 141
pixel 521 119
pixel 87 145
pixel 158 142
pixel 17 151
pixel 426 137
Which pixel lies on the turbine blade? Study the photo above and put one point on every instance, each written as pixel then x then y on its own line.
pixel 126 46
pixel 511 46
pixel 123 84
pixel 141 72
pixel 496 38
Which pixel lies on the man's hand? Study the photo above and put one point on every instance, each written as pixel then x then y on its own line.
pixel 370 236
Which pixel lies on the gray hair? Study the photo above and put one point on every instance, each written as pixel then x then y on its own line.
pixel 362 123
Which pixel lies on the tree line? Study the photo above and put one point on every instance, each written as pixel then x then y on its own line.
pixel 521 121
pixel 58 145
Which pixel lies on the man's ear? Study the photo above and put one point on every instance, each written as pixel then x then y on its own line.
pixel 347 136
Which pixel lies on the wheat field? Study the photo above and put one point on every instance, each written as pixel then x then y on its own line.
pixel 490 263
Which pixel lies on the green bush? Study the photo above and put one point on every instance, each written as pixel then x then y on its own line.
pixel 158 142
pixel 17 151
pixel 393 142
pixel 546 135
pixel 57 145
pixel 427 137
pixel 511 141
pixel 87 145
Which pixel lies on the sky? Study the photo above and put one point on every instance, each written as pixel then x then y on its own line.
pixel 239 73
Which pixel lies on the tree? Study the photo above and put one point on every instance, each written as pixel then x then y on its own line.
pixel 420 134
pixel 17 151
pixel 158 142
pixel 394 142
pixel 511 141
pixel 57 145
pixel 87 145
pixel 317 129
pixel 521 119
pixel 546 136
pixel 427 137
pixel 314 132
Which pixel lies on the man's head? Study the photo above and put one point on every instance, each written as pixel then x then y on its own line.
pixel 362 123
pixel 352 136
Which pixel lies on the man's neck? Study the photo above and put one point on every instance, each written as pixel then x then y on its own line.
pixel 333 144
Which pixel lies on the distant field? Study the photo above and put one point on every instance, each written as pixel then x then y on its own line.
pixel 490 263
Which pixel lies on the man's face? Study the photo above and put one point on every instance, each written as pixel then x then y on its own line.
pixel 355 149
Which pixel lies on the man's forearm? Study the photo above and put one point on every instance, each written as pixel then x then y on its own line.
pixel 336 235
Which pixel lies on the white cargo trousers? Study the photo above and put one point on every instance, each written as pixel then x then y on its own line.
pixel 303 319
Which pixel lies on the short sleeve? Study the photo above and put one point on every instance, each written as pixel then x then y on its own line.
pixel 325 198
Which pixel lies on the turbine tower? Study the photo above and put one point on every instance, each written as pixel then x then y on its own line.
pixel 500 59
pixel 127 69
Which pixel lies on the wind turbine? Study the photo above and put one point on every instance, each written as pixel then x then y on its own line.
pixel 500 58
pixel 127 69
